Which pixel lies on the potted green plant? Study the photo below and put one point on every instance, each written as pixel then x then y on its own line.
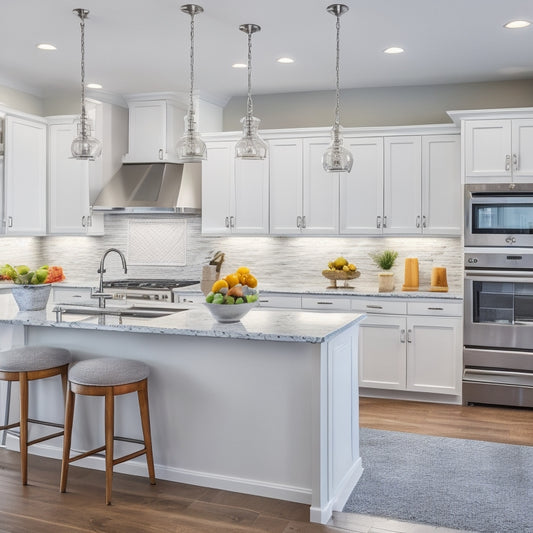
pixel 385 260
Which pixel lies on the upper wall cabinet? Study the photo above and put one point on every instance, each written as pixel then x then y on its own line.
pixel 499 150
pixel 68 184
pixel 234 192
pixel 25 176
pixel 304 199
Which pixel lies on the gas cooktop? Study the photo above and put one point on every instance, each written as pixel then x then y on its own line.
pixel 137 283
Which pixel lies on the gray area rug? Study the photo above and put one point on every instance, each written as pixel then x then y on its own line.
pixel 455 483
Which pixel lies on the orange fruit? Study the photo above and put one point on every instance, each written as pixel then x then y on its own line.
pixel 232 279
pixel 219 284
pixel 251 281
pixel 243 270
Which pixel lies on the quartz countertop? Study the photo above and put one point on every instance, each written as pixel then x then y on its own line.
pixel 195 320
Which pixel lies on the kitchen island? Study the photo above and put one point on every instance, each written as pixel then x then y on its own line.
pixel 266 406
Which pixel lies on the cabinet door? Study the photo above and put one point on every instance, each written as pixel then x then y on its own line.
pixel 217 188
pixel 320 191
pixel 522 152
pixel 441 185
pixel 487 150
pixel 361 191
pixel 402 185
pixel 434 354
pixel 25 176
pixel 251 197
pixel 68 183
pixel 147 132
pixel 382 353
pixel 286 193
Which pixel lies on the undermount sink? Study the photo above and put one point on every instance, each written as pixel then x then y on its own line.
pixel 129 311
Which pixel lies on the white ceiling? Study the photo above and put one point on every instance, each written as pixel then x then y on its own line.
pixel 137 46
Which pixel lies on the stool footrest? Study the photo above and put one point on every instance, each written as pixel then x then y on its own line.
pixel 9 426
pixel 86 454
pixel 46 437
pixel 43 423
pixel 128 439
pixel 132 455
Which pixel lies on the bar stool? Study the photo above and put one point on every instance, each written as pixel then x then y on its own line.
pixel 108 377
pixel 25 364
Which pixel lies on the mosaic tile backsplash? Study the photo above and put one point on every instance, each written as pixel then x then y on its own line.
pixel 277 262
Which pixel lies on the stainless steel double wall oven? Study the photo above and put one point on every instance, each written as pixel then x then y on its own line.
pixel 498 295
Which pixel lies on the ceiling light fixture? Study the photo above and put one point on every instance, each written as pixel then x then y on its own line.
pixel 239 65
pixel 286 60
pixel 337 158
pixel 84 146
pixel 250 146
pixel 394 50
pixel 191 148
pixel 94 86
pixel 46 46
pixel 516 24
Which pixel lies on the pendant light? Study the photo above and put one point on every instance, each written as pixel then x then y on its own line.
pixel 84 146
pixel 191 148
pixel 337 158
pixel 250 146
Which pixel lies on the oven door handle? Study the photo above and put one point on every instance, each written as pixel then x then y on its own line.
pixel 499 275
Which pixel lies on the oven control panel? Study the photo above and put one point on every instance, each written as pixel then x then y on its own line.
pixel 507 260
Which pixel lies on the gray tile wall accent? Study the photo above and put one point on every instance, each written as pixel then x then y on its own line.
pixel 277 262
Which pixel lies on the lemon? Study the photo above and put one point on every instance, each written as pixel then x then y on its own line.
pixel 340 262
pixel 352 267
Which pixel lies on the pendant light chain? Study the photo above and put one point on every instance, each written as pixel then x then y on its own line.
pixel 191 116
pixel 337 69
pixel 249 104
pixel 83 117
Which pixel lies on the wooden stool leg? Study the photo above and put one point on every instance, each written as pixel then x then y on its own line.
pixel 109 434
pixel 145 421
pixel 69 416
pixel 23 382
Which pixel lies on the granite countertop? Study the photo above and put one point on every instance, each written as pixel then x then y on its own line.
pixel 195 320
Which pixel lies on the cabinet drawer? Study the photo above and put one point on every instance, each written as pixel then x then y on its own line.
pixel 287 302
pixel 71 294
pixel 379 306
pixel 326 304
pixel 435 308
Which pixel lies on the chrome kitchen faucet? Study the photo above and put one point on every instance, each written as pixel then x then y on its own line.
pixel 101 295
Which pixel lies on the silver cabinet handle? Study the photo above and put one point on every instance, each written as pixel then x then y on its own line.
pixel 507 162
pixel 374 306
pixel 89 221
pixel 384 222
pixel 409 335
pixel 232 222
pixel 418 221
pixel 324 303
pixel 226 222
pixel 402 336
pixel 515 162
pixel 83 221
pixel 161 153
pixel 304 224
pixel 424 222
pixel 378 222
pixel 9 222
pixel 263 301
pixel 298 222
pixel 435 308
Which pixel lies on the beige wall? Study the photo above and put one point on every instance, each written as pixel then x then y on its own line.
pixel 385 106
pixel 62 104
pixel 28 103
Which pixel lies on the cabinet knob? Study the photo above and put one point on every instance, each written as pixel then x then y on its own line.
pixel 231 222
pixel 418 221
pixel 226 222
pixel 424 222
pixel 9 222
pixel 161 154
pixel 304 224
pixel 384 222
pixel 402 336
pixel 298 222
pixel 409 336
pixel 507 162
pixel 515 162
pixel 83 223
pixel 378 222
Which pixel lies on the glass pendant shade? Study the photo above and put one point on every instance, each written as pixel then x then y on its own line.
pixel 337 158
pixel 250 146
pixel 84 146
pixel 190 148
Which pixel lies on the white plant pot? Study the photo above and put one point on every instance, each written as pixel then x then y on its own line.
pixel 385 281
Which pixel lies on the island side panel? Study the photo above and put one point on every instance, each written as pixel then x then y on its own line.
pixel 230 414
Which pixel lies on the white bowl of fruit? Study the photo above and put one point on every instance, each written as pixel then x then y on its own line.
pixel 232 297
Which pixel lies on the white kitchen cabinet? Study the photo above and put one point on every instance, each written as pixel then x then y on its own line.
pixel 498 150
pixel 283 301
pixel 361 190
pixel 304 198
pixel 325 303
pixel 154 129
pixel 234 192
pixel 25 176
pixel 69 210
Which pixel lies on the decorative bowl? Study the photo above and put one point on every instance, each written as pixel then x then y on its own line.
pixel 340 275
pixel 31 297
pixel 227 313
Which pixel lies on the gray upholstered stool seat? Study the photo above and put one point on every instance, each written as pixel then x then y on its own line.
pixel 107 372
pixel 25 364
pixel 31 358
pixel 108 377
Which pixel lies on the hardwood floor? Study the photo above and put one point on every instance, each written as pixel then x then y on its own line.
pixel 174 507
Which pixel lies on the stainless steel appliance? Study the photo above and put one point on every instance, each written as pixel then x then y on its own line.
pixel 145 289
pixel 498 327
pixel 499 214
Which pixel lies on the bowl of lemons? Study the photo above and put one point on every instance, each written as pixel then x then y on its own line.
pixel 340 270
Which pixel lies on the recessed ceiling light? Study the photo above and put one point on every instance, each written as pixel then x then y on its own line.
pixel 394 50
pixel 239 65
pixel 45 46
pixel 515 24
pixel 94 86
pixel 285 60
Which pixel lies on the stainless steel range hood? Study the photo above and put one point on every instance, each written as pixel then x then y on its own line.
pixel 153 188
